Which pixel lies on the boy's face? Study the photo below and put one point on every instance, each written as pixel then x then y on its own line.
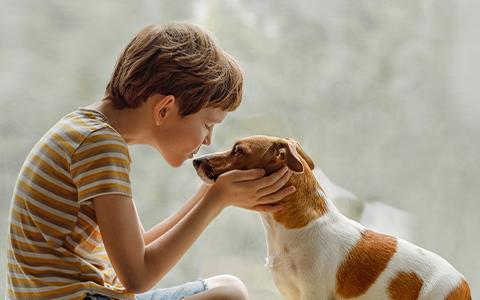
pixel 178 139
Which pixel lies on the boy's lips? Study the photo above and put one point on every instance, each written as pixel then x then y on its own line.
pixel 193 153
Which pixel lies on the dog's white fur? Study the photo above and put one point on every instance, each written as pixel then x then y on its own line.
pixel 318 249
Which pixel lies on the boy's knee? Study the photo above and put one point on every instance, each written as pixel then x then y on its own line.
pixel 230 285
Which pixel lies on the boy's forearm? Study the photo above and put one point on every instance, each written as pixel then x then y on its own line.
pixel 164 226
pixel 163 253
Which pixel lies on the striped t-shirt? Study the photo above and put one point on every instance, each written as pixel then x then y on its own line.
pixel 55 250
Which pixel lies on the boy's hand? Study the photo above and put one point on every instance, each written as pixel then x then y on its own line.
pixel 250 190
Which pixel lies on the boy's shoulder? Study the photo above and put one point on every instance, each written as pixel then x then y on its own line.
pixel 86 121
pixel 80 130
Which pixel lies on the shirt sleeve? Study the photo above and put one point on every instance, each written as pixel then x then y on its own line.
pixel 101 165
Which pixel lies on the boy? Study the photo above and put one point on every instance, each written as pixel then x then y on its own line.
pixel 74 229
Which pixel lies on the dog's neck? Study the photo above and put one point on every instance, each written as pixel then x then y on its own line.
pixel 308 203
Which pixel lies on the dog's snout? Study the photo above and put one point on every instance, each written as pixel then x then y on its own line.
pixel 196 162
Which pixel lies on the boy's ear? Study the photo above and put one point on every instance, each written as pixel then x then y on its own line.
pixel 163 105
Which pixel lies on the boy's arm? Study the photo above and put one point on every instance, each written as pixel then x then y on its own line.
pixel 170 221
pixel 139 266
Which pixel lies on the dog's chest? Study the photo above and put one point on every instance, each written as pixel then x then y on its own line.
pixel 289 270
pixel 300 260
pixel 304 261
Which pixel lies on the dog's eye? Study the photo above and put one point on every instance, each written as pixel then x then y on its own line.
pixel 236 151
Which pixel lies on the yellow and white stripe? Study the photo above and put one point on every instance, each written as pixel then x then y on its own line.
pixel 55 248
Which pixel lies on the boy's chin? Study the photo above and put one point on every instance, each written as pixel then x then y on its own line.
pixel 173 161
pixel 177 161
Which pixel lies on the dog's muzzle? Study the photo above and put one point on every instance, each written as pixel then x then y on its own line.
pixel 204 169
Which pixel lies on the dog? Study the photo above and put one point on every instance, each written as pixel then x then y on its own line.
pixel 316 253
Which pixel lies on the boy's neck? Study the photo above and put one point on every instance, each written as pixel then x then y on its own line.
pixel 130 123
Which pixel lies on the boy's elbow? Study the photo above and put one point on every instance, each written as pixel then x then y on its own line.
pixel 135 285
pixel 133 279
pixel 138 281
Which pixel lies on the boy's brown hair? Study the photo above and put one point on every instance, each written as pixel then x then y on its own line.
pixel 178 59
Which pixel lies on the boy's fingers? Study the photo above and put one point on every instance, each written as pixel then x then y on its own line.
pixel 276 186
pixel 267 207
pixel 244 175
pixel 275 197
pixel 271 179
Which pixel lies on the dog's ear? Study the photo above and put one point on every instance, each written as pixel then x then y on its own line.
pixel 289 154
pixel 302 153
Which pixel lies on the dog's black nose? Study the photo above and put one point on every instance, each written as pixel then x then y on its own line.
pixel 196 162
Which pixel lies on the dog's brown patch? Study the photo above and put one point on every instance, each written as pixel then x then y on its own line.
pixel 405 286
pixel 461 292
pixel 364 263
pixel 306 204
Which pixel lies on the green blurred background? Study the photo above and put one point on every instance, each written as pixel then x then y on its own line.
pixel 384 95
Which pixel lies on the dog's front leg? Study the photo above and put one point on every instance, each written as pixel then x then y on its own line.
pixel 316 293
pixel 316 296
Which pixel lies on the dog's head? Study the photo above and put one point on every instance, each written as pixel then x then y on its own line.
pixel 255 152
